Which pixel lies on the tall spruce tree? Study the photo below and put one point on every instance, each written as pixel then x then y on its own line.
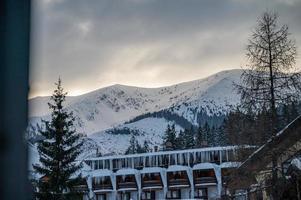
pixel 135 147
pixel 206 130
pixel 271 78
pixel 199 137
pixel 146 148
pixel 180 141
pixel 189 140
pixel 58 150
pixel 170 136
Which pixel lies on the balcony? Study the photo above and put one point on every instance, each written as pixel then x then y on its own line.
pixel 127 186
pixel 102 187
pixel 148 184
pixel 165 159
pixel 177 183
pixel 102 183
pixel 205 181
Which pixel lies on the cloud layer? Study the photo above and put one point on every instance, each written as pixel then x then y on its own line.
pixel 148 43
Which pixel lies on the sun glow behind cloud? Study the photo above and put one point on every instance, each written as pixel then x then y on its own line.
pixel 93 44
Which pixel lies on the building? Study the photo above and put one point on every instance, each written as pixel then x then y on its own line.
pixel 184 174
pixel 255 173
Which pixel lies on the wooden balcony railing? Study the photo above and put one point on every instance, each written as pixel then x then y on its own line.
pixel 178 182
pixel 152 183
pixel 125 185
pixel 102 187
pixel 203 180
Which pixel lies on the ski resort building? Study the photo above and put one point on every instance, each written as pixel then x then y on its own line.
pixel 184 174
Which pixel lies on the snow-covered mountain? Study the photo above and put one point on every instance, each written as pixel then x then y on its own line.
pixel 101 113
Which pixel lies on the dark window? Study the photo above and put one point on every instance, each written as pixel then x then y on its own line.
pixel 148 195
pixel 125 196
pixel 201 193
pixel 101 197
pixel 173 194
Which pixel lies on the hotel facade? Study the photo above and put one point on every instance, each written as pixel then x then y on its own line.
pixel 184 174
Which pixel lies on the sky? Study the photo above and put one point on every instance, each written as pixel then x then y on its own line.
pixel 92 44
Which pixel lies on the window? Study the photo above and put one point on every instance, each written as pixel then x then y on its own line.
pixel 201 193
pixel 125 196
pixel 101 196
pixel 173 194
pixel 148 195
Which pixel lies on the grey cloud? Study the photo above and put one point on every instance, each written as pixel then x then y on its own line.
pixel 89 42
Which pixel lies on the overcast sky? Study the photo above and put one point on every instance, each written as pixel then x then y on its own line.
pixel 149 43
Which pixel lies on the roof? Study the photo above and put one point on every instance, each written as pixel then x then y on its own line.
pixel 177 168
pixel 278 144
pixel 262 157
pixel 165 153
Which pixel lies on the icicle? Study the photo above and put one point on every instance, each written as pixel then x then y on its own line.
pixel 181 158
pixel 143 161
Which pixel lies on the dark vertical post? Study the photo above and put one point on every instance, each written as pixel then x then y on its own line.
pixel 14 59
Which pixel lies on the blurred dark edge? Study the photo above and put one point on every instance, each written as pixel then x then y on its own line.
pixel 14 58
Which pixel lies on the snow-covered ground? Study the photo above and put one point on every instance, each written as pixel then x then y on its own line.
pixel 150 130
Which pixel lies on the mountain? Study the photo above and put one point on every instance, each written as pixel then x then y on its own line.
pixel 110 115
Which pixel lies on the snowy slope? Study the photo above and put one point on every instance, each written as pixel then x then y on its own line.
pixel 105 108
pixel 149 129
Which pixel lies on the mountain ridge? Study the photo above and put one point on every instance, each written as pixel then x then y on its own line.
pixel 100 112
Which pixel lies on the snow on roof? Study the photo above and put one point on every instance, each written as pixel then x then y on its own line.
pixel 151 170
pixel 101 173
pixel 229 164
pixel 126 171
pixel 166 152
pixel 296 162
pixel 284 139
pixel 204 166
pixel 177 168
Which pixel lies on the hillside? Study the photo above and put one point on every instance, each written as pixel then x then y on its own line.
pixel 127 107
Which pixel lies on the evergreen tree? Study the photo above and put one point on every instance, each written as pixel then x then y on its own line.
pixel 188 138
pixel 220 137
pixel 170 136
pixel 146 148
pixel 179 144
pixel 132 149
pixel 58 150
pixel 135 147
pixel 206 129
pixel 199 137
pixel 211 136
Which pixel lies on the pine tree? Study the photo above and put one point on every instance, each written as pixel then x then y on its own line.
pixel 179 143
pixel 220 137
pixel 132 149
pixel 206 129
pixel 58 151
pixel 135 147
pixel 170 136
pixel 211 136
pixel 188 139
pixel 146 147
pixel 199 137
